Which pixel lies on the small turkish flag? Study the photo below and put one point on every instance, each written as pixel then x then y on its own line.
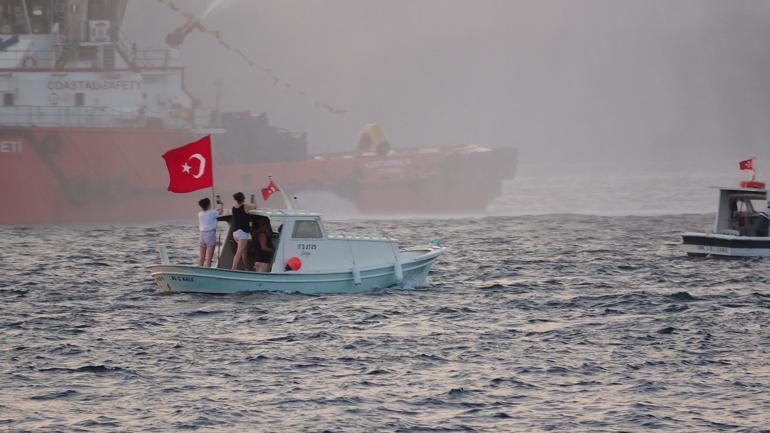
pixel 269 190
pixel 747 164
pixel 190 166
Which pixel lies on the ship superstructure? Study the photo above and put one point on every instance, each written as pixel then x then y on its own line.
pixel 85 116
pixel 66 63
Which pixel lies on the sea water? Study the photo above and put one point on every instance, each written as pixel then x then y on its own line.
pixel 560 316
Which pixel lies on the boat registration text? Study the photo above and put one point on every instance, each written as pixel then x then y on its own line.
pixel 713 249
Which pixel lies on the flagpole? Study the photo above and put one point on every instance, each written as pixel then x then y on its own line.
pixel 213 193
pixel 214 203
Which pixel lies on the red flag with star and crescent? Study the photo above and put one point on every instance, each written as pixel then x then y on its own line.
pixel 190 166
pixel 747 164
pixel 269 190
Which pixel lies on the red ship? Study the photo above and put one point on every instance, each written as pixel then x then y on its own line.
pixel 86 116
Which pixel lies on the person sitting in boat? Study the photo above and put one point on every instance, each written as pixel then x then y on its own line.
pixel 240 227
pixel 761 227
pixel 261 247
pixel 207 224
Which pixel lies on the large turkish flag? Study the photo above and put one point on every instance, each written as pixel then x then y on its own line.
pixel 190 167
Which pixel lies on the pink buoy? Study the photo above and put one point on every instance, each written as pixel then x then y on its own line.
pixel 294 263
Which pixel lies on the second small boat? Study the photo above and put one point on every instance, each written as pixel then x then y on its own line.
pixel 740 228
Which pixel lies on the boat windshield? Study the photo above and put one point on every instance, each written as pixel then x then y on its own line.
pixel 744 215
pixel 306 229
pixel 758 205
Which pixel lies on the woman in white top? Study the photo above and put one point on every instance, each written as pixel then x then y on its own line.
pixel 207 224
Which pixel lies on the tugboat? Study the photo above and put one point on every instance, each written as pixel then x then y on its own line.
pixel 741 225
pixel 85 116
pixel 306 260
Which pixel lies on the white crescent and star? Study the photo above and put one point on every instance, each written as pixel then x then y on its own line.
pixel 201 167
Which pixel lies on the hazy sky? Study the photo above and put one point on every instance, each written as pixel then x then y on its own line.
pixel 608 79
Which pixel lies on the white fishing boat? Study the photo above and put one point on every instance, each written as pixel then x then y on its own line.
pixel 740 229
pixel 322 263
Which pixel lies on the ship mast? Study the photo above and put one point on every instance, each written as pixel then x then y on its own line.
pixel 26 16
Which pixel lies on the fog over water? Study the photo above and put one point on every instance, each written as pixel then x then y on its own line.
pixel 566 305
pixel 564 81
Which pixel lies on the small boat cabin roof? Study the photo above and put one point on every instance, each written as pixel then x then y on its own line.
pixel 757 191
pixel 283 213
pixel 274 213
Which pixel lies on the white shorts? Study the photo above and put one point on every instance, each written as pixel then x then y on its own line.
pixel 240 235
pixel 208 238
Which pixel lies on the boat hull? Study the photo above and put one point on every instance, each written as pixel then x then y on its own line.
pixel 109 175
pixel 710 244
pixel 194 279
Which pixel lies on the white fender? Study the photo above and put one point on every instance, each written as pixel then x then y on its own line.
pixel 399 272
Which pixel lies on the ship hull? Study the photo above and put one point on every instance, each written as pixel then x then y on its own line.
pixel 63 175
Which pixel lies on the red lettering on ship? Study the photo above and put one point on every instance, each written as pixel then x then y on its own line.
pixel 95 85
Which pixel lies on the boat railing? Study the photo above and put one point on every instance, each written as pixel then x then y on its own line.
pixel 88 117
pixel 152 58
pixel 47 59
pixel 27 59
pixel 148 58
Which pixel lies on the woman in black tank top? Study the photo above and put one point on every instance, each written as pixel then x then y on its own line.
pixel 240 230
pixel 240 219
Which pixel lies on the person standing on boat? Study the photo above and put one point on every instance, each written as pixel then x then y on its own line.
pixel 261 244
pixel 207 224
pixel 240 225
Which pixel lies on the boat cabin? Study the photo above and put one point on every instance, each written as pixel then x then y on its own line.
pixel 302 235
pixel 738 212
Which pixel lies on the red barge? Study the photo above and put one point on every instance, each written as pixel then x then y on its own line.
pixel 86 117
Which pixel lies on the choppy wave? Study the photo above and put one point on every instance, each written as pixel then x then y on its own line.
pixel 532 323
